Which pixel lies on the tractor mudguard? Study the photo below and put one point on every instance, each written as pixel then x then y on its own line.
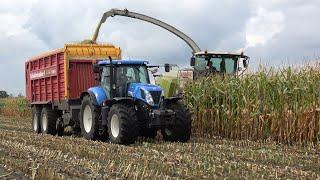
pixel 93 97
pixel 98 95
pixel 107 105
pixel 118 100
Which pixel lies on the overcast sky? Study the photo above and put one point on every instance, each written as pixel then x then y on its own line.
pixel 273 32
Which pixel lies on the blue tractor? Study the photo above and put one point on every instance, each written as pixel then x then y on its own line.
pixel 125 106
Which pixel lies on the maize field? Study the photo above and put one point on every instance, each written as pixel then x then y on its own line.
pixel 17 107
pixel 283 106
pixel 258 126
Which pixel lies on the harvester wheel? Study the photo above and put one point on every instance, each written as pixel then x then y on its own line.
pixel 36 115
pixel 48 121
pixel 89 118
pixel 180 132
pixel 123 124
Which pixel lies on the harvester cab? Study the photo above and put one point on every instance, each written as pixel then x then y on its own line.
pixel 207 63
pixel 129 106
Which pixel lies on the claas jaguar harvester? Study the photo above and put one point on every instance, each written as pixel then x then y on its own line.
pixel 82 87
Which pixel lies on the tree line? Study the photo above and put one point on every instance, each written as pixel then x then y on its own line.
pixel 5 94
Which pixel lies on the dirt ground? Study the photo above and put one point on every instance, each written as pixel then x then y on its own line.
pixel 25 155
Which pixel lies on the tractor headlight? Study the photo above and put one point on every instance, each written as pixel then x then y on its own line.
pixel 148 97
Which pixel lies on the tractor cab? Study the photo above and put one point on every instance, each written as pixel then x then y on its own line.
pixel 128 78
pixel 205 63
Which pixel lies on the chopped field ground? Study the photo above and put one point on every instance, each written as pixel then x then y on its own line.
pixel 27 155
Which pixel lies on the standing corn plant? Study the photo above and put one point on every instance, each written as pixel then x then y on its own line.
pixel 279 105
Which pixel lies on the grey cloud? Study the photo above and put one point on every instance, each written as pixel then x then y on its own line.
pixel 298 42
pixel 214 25
pixel 14 52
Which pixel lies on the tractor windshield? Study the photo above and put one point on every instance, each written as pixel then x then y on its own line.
pixel 124 74
pixel 132 74
pixel 218 64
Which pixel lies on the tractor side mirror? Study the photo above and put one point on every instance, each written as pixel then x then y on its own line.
pixel 96 68
pixel 193 61
pixel 167 67
pixel 245 63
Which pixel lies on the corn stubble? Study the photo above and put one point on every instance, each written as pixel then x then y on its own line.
pixel 282 105
pixel 71 157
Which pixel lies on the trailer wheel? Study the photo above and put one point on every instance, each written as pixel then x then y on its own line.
pixel 36 115
pixel 122 124
pixel 89 118
pixel 48 121
pixel 180 132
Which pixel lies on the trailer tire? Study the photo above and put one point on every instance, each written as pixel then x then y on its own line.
pixel 36 115
pixel 180 132
pixel 48 121
pixel 89 119
pixel 123 124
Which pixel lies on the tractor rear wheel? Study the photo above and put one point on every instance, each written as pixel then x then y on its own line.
pixel 89 119
pixel 123 124
pixel 180 132
pixel 48 121
pixel 36 115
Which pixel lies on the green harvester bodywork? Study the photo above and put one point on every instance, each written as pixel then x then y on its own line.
pixel 170 85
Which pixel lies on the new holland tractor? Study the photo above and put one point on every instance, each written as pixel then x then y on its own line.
pixel 129 106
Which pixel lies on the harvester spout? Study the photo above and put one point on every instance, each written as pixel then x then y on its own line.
pixel 116 12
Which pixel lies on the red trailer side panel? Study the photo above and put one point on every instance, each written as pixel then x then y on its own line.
pixel 65 73
pixel 81 77
pixel 45 78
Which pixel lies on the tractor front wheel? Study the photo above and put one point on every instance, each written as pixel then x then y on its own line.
pixel 122 124
pixel 181 131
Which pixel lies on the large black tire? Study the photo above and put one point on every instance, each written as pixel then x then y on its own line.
pixel 181 131
pixel 48 121
pixel 36 115
pixel 90 129
pixel 123 124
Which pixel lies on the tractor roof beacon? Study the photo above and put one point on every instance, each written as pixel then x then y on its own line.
pixel 129 106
